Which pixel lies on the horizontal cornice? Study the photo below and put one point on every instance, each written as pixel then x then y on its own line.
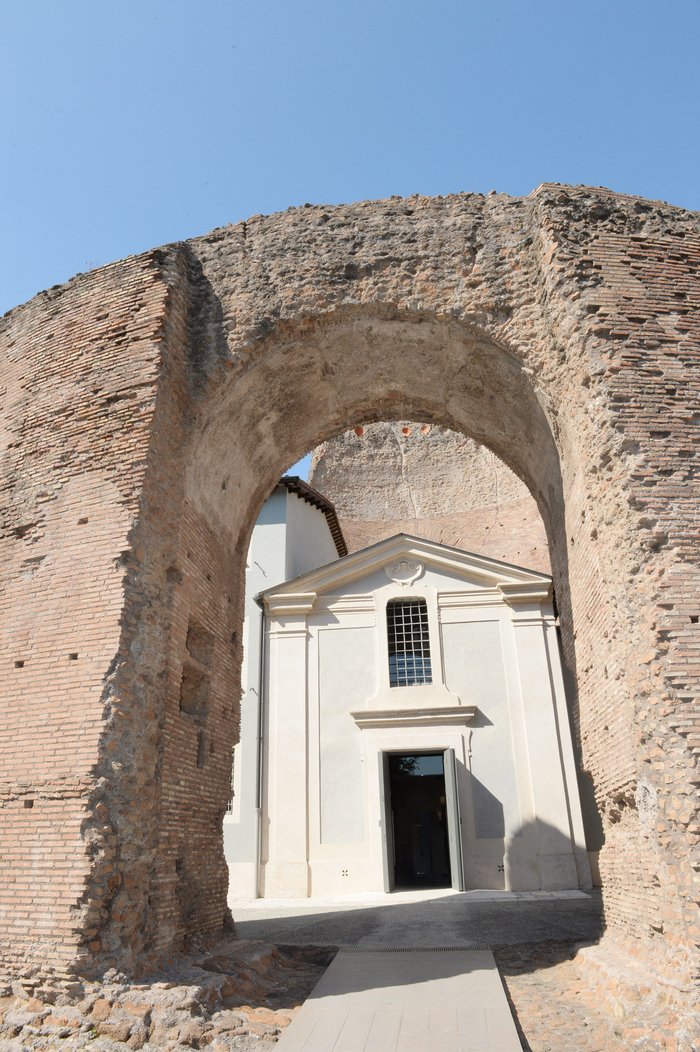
pixel 425 717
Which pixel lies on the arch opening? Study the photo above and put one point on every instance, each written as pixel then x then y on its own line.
pixel 310 385
pixel 259 342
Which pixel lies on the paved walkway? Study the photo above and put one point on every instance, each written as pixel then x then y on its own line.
pixel 444 1000
pixel 422 918
pixel 387 991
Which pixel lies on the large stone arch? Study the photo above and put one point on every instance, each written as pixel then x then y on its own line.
pixel 152 405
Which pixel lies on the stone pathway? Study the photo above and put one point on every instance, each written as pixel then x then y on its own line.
pixel 557 1011
pixel 243 995
pixel 406 1001
pixel 554 1010
pixel 423 918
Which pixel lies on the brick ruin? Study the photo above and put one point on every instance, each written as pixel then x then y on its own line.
pixel 411 477
pixel 151 405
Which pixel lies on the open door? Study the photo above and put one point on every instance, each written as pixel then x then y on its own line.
pixel 387 822
pixel 454 822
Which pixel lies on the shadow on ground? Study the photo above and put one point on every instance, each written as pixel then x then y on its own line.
pixel 450 921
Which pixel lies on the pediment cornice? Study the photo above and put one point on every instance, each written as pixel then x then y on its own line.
pixel 480 571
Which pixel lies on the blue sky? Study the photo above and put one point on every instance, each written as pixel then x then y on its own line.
pixel 125 125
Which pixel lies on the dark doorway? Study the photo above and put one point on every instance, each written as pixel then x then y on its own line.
pixel 421 854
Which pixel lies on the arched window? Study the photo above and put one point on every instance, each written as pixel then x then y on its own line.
pixel 409 642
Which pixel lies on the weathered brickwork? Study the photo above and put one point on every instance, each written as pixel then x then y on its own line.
pixel 93 735
pixel 162 397
pixel 71 392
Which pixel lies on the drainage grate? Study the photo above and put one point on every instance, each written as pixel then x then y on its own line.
pixel 411 949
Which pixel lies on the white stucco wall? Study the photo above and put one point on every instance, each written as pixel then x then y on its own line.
pixel 290 537
pixel 474 669
pixel 309 540
pixel 521 826
pixel 346 678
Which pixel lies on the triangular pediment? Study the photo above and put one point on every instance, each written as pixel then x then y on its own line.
pixel 400 557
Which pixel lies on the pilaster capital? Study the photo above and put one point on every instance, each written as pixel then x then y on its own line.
pixel 530 593
pixel 301 603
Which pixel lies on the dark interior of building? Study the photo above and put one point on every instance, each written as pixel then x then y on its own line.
pixel 417 786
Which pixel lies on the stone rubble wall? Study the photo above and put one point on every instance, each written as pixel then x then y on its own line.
pixel 163 396
pixel 408 477
pixel 241 997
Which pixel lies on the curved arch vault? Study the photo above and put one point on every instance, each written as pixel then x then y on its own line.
pixel 152 404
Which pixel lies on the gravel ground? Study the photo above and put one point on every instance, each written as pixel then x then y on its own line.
pixel 242 996
pixel 556 1011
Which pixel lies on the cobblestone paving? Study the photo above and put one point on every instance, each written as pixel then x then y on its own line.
pixel 556 1011
pixel 553 1008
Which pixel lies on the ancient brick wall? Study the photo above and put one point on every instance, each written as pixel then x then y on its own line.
pixel 408 477
pixel 110 793
pixel 76 415
pixel 561 331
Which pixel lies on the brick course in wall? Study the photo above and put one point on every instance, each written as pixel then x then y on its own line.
pixel 162 397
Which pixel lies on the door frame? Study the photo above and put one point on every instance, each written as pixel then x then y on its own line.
pixel 454 820
pixel 388 853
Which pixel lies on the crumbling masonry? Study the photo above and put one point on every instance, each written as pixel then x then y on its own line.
pixel 151 405
pixel 430 482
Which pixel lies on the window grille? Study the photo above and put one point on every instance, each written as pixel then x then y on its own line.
pixel 409 643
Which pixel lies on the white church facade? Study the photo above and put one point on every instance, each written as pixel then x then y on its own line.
pixel 412 731
pixel 296 531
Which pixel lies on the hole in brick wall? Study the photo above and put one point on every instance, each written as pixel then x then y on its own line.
pixel 194 691
pixel 174 574
pixel 82 522
pixel 19 664
pixel 200 643
pixel 694 618
pixel 223 485
pixel 202 749
pixel 28 804
pixel 21 531
pixel 72 657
